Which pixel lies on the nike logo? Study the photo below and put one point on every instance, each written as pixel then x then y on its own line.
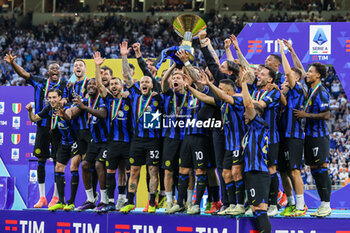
pixel 235 161
pixel 200 164
pixel 155 162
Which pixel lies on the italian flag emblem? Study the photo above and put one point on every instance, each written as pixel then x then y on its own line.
pixel 16 108
pixel 15 138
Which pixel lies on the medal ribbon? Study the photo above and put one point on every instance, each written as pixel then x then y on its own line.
pixel 82 89
pixel 54 120
pixel 308 103
pixel 115 108
pixel 194 102
pixel 224 115
pixel 245 139
pixel 182 103
pixel 93 105
pixel 258 97
pixel 140 110
pixel 47 86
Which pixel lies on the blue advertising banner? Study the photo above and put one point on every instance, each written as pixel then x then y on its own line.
pixel 328 43
pixel 89 222
pixel 158 223
pixel 47 222
pixel 16 138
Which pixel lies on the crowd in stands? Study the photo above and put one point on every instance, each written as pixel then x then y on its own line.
pixel 296 5
pixel 80 37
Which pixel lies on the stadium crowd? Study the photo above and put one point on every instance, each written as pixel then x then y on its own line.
pixel 36 46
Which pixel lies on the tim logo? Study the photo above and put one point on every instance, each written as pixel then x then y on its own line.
pixel 16 108
pixel 11 225
pixel 2 108
pixel 124 228
pixel 320 39
pixel 1 138
pixel 24 226
pixel 201 229
pixel 119 228
pixel 347 45
pixel 254 46
pixel 32 138
pixel 16 122
pixel 151 120
pixel 66 227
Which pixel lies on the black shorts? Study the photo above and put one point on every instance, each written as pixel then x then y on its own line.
pixel 66 152
pixel 195 151
pixel 272 156
pixel 316 150
pixel 171 153
pixel 117 152
pixel 145 151
pixel 257 185
pixel 211 152
pixel 84 138
pixel 96 152
pixel 290 154
pixel 232 158
pixel 44 137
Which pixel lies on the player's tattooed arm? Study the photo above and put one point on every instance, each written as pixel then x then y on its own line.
pixel 242 60
pixel 132 187
pixel 205 41
pixel 189 69
pixel 98 62
pixel 124 51
pixel 286 67
pixel 18 69
pixel 247 99
pixel 165 79
pixel 295 58
pixel 228 50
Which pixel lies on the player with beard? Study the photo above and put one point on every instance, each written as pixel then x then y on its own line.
pixel 269 99
pixel 231 106
pixel 67 149
pixel 195 148
pixel 106 74
pixel 175 107
pixel 255 145
pixel 145 144
pixel 275 61
pixel 119 109
pixel 316 148
pixel 44 137
pixel 79 88
pixel 292 139
pixel 150 70
pixel 97 149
